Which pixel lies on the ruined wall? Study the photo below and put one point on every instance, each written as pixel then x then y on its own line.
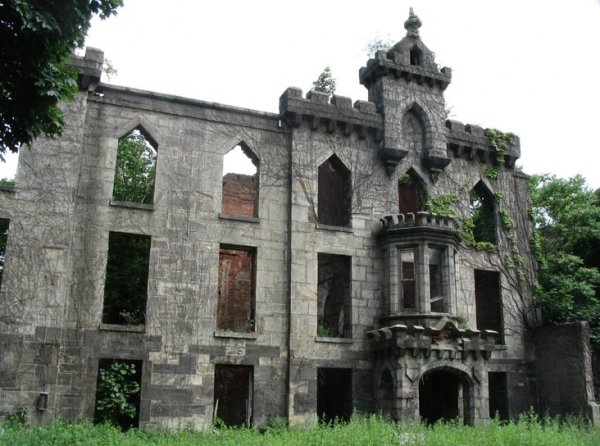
pixel 564 367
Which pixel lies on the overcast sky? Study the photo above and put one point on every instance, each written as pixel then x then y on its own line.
pixel 531 67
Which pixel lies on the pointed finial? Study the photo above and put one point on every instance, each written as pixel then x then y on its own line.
pixel 412 25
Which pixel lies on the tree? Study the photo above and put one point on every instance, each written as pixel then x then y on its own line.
pixel 135 169
pixel 325 83
pixel 36 40
pixel 378 43
pixel 567 245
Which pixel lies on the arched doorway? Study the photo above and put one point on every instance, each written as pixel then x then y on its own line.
pixel 444 394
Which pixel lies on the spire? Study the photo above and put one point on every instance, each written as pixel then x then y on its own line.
pixel 412 25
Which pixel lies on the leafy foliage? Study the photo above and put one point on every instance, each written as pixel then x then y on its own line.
pixel 36 39
pixel 325 83
pixel 378 43
pixel 135 169
pixel 567 246
pixel 117 392
pixel 528 430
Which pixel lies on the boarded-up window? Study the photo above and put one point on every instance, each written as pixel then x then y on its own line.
pixel 235 307
pixel 233 394
pixel 335 193
pixel 334 300
pixel 126 285
pixel 488 301
pixel 240 182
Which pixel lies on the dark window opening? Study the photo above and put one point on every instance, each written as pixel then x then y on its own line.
pixel 4 224
pixel 235 301
pixel 135 169
pixel 385 395
pixel 498 389
pixel 334 296
pixel 411 194
pixel 483 214
pixel 233 395
pixel 438 279
pixel 334 394
pixel 408 290
pixel 335 193
pixel 118 389
pixel 240 182
pixel 488 301
pixel 443 396
pixel 416 56
pixel 126 285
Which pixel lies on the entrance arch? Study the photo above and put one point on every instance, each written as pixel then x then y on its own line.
pixel 445 394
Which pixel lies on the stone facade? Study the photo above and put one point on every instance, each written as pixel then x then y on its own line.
pixel 411 316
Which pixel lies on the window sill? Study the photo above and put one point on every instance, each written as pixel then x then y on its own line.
pixel 330 340
pixel 335 228
pixel 500 347
pixel 122 328
pixel 239 218
pixel 234 334
pixel 132 205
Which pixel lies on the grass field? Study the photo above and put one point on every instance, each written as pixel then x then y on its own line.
pixel 529 430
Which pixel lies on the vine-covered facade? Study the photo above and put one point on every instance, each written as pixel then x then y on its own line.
pixel 374 259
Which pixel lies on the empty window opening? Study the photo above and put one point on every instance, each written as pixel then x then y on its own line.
pixel 233 395
pixel 416 56
pixel 335 193
pixel 235 301
pixel 126 285
pixel 118 389
pixel 488 301
pixel 443 396
pixel 438 279
pixel 386 396
pixel 334 394
pixel 413 132
pixel 4 224
pixel 334 296
pixel 483 215
pixel 240 182
pixel 498 389
pixel 407 273
pixel 135 169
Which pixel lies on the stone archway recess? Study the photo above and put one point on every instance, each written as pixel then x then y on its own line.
pixel 445 393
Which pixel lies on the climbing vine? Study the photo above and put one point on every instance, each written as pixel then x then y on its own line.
pixel 500 143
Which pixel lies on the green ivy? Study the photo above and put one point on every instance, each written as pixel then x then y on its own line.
pixel 116 394
pixel 442 204
pixel 500 142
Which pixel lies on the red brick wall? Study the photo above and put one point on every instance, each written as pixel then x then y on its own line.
pixel 239 195
pixel 235 307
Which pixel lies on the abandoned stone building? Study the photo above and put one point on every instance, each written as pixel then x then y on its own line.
pixel 375 259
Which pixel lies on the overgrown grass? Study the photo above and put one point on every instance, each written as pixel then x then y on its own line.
pixel 529 430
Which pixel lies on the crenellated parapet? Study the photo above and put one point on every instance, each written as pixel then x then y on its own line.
pixel 471 142
pixel 445 341
pixel 396 63
pixel 319 112
pixel 419 226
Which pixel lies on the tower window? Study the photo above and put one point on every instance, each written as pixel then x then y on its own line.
pixel 416 56
pixel 483 215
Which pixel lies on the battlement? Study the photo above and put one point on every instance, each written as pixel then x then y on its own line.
pixel 338 113
pixel 471 142
pixel 420 219
pixel 396 64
